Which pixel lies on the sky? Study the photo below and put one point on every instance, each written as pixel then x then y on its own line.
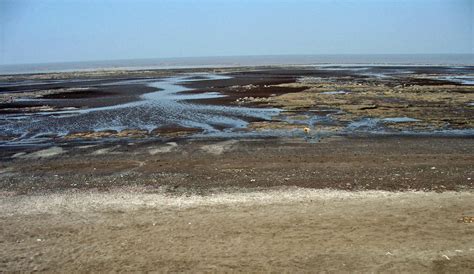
pixel 39 31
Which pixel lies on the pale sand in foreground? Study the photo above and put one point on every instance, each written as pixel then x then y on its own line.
pixel 275 230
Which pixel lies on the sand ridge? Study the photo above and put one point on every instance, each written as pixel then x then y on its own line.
pixel 135 198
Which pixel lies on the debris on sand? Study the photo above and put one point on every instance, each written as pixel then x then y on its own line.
pixel 218 148
pixel 45 153
pixel 163 149
pixel 106 150
pixel 466 219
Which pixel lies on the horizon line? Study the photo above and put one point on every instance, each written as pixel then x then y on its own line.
pixel 231 56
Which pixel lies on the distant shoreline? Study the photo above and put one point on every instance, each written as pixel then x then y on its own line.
pixel 238 61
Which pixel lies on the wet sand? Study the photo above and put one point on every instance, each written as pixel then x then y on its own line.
pixel 340 100
pixel 206 166
pixel 77 98
pixel 378 183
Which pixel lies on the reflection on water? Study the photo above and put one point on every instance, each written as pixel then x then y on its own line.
pixel 165 107
pixel 171 106
pixel 461 79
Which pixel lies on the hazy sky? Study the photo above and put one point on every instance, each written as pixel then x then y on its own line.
pixel 53 31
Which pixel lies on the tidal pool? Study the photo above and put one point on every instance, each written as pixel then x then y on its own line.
pixel 165 107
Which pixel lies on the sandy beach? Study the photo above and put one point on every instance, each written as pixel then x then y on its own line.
pixel 273 230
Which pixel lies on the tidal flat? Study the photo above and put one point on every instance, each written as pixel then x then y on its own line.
pixel 275 168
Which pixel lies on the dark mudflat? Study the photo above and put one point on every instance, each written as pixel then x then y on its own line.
pixel 384 163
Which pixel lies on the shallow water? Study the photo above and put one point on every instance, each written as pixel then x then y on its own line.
pixel 232 61
pixel 167 106
pixel 170 106
pixel 375 126
pixel 400 119
pixel 461 79
pixel 336 92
